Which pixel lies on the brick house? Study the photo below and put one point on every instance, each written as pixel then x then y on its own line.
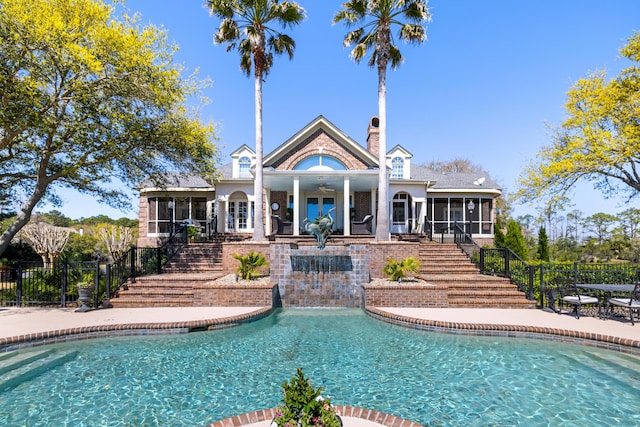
pixel 317 169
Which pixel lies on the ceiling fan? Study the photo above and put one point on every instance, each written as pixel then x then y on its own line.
pixel 324 189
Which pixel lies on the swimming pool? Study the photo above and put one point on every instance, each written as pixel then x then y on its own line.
pixel 433 379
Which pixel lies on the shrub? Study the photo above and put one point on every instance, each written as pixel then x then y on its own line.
pixel 398 270
pixel 249 264
pixel 302 405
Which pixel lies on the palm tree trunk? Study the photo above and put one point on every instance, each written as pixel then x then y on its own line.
pixel 382 219
pixel 258 220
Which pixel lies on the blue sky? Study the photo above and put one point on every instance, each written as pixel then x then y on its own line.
pixel 484 86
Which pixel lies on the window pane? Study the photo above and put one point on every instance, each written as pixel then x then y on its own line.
pixel 440 210
pixel 182 209
pixel 245 167
pixel 457 210
pixel 153 208
pixel 199 208
pixel 163 209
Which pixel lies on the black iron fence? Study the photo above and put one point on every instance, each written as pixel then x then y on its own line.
pixel 535 279
pixel 35 283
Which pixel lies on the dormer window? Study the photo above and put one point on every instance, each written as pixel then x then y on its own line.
pixel 397 168
pixel 244 167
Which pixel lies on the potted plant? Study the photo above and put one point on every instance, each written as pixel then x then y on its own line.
pixel 85 293
pixel 303 406
pixel 192 232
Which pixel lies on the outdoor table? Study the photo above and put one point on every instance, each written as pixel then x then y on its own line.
pixel 607 290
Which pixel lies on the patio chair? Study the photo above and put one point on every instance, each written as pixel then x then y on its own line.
pixel 362 227
pixel 632 303
pixel 282 227
pixel 570 294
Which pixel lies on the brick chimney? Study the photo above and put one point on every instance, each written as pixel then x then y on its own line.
pixel 373 136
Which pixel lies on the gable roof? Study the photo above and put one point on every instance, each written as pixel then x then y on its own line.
pixel 320 123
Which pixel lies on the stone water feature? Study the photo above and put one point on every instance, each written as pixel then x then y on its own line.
pixel 309 276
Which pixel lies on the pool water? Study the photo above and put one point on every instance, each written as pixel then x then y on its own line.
pixel 429 378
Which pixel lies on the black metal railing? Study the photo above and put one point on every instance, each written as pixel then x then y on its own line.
pixel 504 262
pixel 34 283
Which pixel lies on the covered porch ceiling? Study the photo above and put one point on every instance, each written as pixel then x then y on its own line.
pixel 361 180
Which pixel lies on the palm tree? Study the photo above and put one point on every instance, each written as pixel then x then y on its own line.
pixel 245 26
pixel 375 19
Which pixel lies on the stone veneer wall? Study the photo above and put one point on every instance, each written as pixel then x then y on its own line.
pixel 406 295
pixel 320 289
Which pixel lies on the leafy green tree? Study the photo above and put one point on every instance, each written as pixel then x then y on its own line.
pixel 629 222
pixel 56 218
pixel 600 224
pixel 374 19
pixel 498 238
pixel 543 245
pixel 598 142
pixel 514 240
pixel 245 26
pixel 574 221
pixel 86 98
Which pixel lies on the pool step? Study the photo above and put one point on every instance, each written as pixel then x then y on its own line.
pixel 19 366
pixel 620 368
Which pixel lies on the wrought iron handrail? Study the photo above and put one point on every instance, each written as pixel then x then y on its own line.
pixel 506 263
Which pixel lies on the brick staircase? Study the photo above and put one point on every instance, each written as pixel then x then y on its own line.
pixel 195 264
pixel 445 264
pixel 441 264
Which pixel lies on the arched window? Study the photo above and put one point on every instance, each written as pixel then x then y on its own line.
pixel 397 168
pixel 320 162
pixel 245 167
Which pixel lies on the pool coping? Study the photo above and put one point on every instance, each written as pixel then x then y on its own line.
pixel 608 342
pixel 128 329
pixel 370 415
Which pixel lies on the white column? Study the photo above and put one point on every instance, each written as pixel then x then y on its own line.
pixel 345 203
pixel 269 229
pixel 296 205
pixel 373 211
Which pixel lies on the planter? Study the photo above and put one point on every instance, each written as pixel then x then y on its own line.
pixel 85 294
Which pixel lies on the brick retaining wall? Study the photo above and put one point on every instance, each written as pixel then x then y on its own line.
pixel 406 295
pixel 241 295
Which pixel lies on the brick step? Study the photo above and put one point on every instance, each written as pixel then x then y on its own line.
pixel 181 277
pixel 448 278
pixel 504 303
pixel 157 292
pixel 484 293
pixel 471 286
pixel 436 250
pixel 448 268
pixel 443 255
pixel 137 302
pixel 198 254
pixel 186 268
